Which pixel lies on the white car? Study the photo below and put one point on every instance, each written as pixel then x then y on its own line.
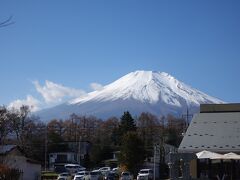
pixel 73 168
pixel 64 176
pixel 115 170
pixel 82 175
pixel 145 174
pixel 95 175
pixel 105 170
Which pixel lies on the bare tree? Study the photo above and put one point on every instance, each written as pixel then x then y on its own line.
pixel 7 22
pixel 20 124
pixel 148 128
pixel 4 124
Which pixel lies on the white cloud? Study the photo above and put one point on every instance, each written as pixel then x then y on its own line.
pixel 29 101
pixel 52 94
pixel 96 86
pixel 56 93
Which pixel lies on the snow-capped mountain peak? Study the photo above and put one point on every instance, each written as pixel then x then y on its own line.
pixel 141 91
pixel 148 87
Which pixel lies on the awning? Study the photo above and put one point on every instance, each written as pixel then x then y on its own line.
pixel 208 155
pixel 212 155
pixel 231 156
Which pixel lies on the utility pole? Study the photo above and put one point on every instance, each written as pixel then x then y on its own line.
pixel 45 149
pixel 81 133
pixel 155 154
pixel 154 163
pixel 186 117
pixel 79 149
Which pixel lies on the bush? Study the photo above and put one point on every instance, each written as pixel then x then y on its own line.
pixel 48 175
pixel 7 173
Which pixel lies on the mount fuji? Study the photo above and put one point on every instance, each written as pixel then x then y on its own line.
pixel 141 91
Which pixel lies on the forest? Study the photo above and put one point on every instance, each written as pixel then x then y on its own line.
pixel 129 135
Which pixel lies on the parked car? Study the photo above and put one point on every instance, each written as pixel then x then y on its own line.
pixel 145 174
pixel 116 170
pixel 64 176
pixel 105 170
pixel 96 175
pixel 125 175
pixel 82 175
pixel 73 168
pixel 111 176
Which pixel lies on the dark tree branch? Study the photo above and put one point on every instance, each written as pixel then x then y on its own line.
pixel 7 22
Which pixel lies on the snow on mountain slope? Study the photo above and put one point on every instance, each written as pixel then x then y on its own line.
pixel 149 87
pixel 141 91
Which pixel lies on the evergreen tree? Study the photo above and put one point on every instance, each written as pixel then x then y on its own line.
pixel 127 123
pixel 132 153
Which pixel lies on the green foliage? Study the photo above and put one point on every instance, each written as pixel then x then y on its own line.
pixel 115 136
pixel 48 175
pixel 132 153
pixel 173 137
pixel 127 123
pixel 55 137
pixel 55 143
pixel 86 161
pixel 99 154
pixel 134 142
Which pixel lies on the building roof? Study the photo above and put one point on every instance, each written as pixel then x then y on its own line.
pixel 6 148
pixel 213 108
pixel 217 132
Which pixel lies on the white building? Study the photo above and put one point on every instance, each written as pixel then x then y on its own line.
pixel 216 129
pixel 11 156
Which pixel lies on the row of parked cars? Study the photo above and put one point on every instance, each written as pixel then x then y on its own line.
pixel 81 174
pixel 106 173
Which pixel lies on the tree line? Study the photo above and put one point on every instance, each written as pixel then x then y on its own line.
pixel 134 137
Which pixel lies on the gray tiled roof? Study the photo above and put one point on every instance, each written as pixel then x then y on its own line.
pixel 6 148
pixel 218 132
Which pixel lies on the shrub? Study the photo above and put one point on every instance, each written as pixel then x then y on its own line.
pixel 7 173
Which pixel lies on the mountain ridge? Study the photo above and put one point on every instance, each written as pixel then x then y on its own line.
pixel 140 91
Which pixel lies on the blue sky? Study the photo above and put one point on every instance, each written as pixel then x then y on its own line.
pixel 67 45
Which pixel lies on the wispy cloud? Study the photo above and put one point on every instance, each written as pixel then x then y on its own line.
pixel 30 101
pixel 56 93
pixel 96 86
pixel 52 94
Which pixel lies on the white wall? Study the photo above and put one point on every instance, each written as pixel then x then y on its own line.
pixel 31 171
